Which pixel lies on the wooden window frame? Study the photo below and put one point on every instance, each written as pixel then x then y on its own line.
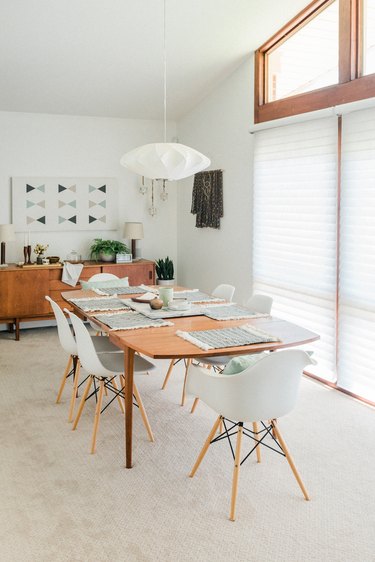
pixel 352 85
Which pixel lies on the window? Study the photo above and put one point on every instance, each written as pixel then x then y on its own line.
pixel 324 57
pixel 368 36
pixel 314 239
pixel 308 59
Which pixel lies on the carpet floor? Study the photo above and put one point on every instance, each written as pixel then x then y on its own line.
pixel 59 503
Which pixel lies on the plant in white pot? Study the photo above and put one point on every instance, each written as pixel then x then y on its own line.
pixel 164 272
pixel 106 250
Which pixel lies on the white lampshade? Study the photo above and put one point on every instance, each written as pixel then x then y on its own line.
pixel 133 230
pixel 169 161
pixel 7 233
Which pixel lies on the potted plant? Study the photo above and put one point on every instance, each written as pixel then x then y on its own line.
pixel 106 250
pixel 164 271
pixel 39 251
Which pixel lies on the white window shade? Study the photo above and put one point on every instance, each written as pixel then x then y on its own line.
pixel 295 217
pixel 356 371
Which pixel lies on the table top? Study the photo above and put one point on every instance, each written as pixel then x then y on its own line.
pixel 163 343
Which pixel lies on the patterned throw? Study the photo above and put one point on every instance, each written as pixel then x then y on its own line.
pixel 230 311
pixel 195 295
pixel 227 337
pixel 130 321
pixel 98 303
pixel 121 290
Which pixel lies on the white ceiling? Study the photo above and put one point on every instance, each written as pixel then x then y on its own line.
pixel 105 57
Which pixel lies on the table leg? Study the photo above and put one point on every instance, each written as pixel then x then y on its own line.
pixel 129 374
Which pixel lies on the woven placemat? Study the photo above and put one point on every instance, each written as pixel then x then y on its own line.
pixel 100 303
pixel 120 290
pixel 230 311
pixel 227 337
pixel 130 321
pixel 194 295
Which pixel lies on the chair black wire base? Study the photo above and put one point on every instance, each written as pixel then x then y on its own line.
pixel 257 436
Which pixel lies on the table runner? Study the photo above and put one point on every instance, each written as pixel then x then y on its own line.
pixel 100 303
pixel 130 321
pixel 165 312
pixel 227 337
pixel 230 311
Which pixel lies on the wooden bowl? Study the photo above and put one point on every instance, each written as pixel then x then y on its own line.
pixel 156 304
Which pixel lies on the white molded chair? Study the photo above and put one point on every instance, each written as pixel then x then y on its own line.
pixel 256 303
pixel 104 368
pixel 69 344
pixel 100 277
pixel 222 291
pixel 262 393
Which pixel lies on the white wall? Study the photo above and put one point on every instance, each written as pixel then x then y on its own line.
pixel 58 145
pixel 218 127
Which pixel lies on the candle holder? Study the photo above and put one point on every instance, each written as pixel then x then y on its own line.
pixel 29 255
pixel 25 255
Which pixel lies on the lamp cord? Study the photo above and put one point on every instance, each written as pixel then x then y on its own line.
pixel 165 71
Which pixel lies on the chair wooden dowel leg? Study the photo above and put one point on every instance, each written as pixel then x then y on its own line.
pixel 123 382
pixel 143 413
pixel 195 404
pixel 236 473
pixel 74 391
pixel 188 363
pixel 97 416
pixel 63 380
pixel 119 399
pixel 169 372
pixel 205 447
pixel 290 460
pixel 257 450
pixel 83 400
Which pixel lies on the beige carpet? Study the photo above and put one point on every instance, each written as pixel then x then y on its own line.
pixel 59 503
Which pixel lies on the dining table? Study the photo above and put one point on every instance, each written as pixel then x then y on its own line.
pixel 165 343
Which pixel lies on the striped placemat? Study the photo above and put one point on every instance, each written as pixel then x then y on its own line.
pixel 195 295
pixel 227 337
pixel 100 303
pixel 121 290
pixel 130 321
pixel 230 311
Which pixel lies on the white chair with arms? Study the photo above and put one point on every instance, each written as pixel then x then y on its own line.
pixel 261 393
pixel 69 344
pixel 104 368
pixel 222 291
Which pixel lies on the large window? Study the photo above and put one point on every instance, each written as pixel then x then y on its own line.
pixel 324 57
pixel 314 238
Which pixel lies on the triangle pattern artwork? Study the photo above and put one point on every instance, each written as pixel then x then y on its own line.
pixel 47 204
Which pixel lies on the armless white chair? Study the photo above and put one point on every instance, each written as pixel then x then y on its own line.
pixel 262 393
pixel 69 344
pixel 104 369
pixel 222 291
pixel 256 303
pixel 100 277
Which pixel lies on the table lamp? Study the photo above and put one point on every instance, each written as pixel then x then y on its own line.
pixel 133 231
pixel 6 235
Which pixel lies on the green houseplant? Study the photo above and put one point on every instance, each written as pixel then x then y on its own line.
pixel 106 250
pixel 164 271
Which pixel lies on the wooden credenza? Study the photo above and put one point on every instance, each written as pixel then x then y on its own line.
pixel 22 289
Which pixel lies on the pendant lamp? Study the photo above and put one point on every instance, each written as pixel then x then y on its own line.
pixel 165 160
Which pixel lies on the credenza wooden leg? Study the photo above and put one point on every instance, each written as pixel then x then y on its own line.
pixel 17 329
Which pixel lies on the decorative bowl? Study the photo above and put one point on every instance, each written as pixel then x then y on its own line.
pixel 179 304
pixel 53 259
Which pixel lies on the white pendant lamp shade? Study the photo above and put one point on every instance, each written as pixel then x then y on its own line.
pixel 165 160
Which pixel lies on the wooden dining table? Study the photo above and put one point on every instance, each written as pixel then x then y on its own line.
pixel 163 343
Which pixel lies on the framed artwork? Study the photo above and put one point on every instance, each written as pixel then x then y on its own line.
pixel 49 204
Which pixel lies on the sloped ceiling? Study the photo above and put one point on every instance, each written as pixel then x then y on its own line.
pixel 105 57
